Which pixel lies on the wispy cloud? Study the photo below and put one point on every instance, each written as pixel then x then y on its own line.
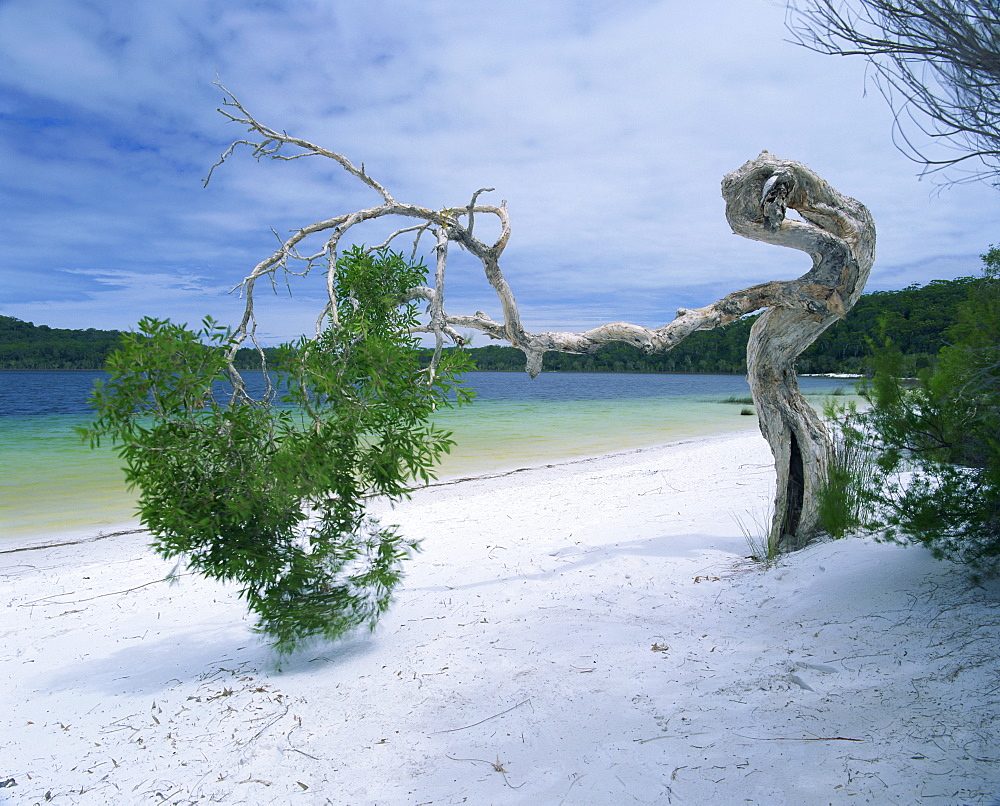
pixel 606 127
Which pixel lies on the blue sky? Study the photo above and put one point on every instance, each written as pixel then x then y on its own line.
pixel 606 127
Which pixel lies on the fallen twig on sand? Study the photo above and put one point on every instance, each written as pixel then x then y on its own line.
pixel 169 578
pixel 496 765
pixel 481 721
pixel 798 738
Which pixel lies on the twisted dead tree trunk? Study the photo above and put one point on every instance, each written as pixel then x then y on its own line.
pixel 836 231
pixel 839 234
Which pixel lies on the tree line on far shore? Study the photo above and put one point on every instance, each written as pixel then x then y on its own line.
pixel 24 345
pixel 916 318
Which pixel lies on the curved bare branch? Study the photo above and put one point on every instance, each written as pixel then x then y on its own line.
pixel 271 141
pixel 836 232
pixel 818 295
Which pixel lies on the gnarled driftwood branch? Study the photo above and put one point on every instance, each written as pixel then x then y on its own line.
pixel 836 231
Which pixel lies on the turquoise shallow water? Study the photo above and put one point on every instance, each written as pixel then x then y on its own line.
pixel 506 434
pixel 51 482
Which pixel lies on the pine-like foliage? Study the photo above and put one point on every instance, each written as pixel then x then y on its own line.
pixel 932 447
pixel 273 494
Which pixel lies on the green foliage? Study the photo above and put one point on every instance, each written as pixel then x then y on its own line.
pixel 274 497
pixel 936 443
pixel 917 316
pixel 24 345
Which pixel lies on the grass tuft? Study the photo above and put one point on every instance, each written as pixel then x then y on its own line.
pixel 756 528
pixel 850 471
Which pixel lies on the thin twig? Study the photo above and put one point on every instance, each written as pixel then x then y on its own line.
pixel 652 739
pixel 101 595
pixel 496 765
pixel 274 721
pixel 481 721
pixel 798 738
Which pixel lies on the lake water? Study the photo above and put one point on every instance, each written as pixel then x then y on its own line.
pixel 51 482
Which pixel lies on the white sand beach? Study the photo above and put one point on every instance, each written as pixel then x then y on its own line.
pixel 581 633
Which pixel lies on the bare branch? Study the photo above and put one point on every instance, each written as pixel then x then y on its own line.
pixel 836 232
pixel 438 323
pixel 820 296
pixel 274 140
pixel 415 228
pixel 936 62
pixel 471 209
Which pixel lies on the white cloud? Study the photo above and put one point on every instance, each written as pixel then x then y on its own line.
pixel 607 128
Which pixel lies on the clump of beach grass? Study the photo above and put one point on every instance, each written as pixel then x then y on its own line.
pixel 851 472
pixel 756 528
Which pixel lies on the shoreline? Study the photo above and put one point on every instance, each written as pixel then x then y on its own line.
pixel 89 534
pixel 62 485
pixel 584 458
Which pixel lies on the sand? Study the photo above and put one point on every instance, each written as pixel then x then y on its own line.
pixel 588 632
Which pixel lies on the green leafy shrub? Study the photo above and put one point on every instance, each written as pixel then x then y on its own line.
pixel 934 445
pixel 275 497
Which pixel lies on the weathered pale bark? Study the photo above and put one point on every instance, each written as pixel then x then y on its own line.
pixel 837 232
pixel 839 235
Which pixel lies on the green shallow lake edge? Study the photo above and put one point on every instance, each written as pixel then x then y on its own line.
pixel 59 485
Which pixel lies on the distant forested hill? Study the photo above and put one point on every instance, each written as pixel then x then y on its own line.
pixel 916 318
pixel 24 345
pixel 27 346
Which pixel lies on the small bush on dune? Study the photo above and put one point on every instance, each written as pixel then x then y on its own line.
pixel 922 464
